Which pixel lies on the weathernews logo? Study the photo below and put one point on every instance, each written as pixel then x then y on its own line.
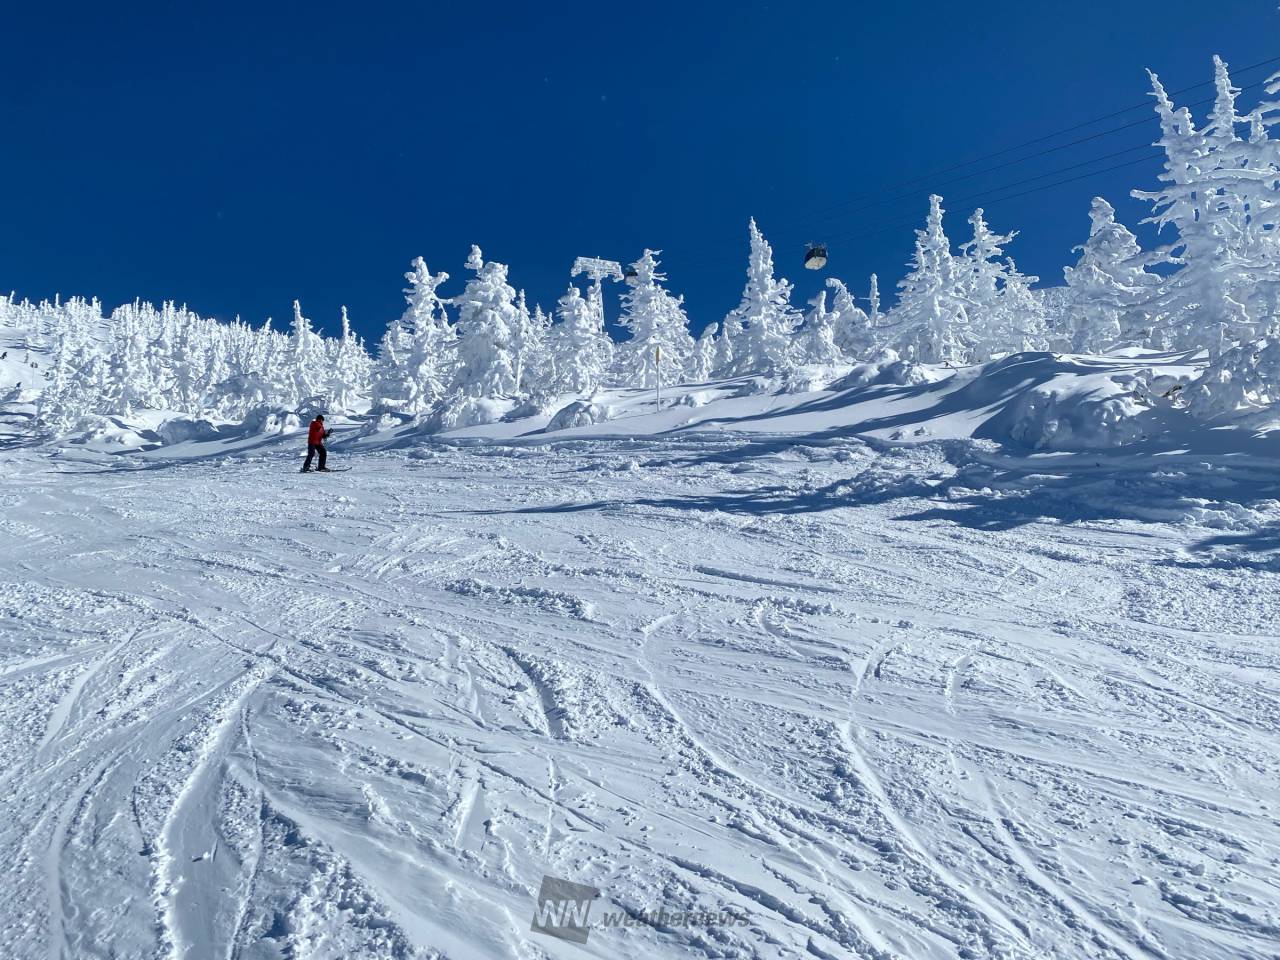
pixel 563 910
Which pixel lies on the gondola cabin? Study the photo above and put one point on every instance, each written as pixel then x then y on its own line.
pixel 815 258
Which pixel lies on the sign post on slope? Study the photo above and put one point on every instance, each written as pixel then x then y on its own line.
pixel 657 369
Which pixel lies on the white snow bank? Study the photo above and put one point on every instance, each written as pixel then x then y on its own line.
pixel 580 413
pixel 462 412
pixel 1055 402
pixel 1046 418
pixel 272 420
pixel 1242 380
pixel 1030 401
pixel 112 433
pixel 178 429
pixel 887 367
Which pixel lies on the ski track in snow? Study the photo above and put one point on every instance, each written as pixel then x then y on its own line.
pixel 249 714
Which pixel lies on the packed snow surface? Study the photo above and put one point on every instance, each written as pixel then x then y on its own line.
pixel 880 700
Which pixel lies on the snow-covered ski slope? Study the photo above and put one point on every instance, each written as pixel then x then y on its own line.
pixel 880 699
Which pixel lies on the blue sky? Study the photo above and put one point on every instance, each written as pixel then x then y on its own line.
pixel 236 157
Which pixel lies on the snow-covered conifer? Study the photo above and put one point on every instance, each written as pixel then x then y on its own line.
pixel 528 344
pixel 129 387
pixel 762 326
pixel 388 390
pixel 1109 289
pixel 853 329
pixel 580 351
pixel 348 371
pixel 816 340
pixel 660 344
pixel 428 364
pixel 723 352
pixel 1206 301
pixel 702 362
pixel 486 315
pixel 74 391
pixel 1005 317
pixel 185 393
pixel 306 361
pixel 931 320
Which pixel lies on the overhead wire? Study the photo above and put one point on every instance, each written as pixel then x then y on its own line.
pixel 1040 139
pixel 876 229
pixel 994 200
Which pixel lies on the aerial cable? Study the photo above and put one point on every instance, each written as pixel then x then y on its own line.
pixel 915 194
pixel 827 212
pixel 1108 116
pixel 994 200
pixel 915 218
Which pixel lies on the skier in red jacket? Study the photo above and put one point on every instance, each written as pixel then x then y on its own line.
pixel 316 435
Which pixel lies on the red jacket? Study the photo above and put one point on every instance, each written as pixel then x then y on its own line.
pixel 315 436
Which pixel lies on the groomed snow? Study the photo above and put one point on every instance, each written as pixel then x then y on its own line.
pixel 883 700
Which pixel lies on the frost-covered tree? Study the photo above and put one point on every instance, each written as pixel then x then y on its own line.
pixel 1248 174
pixel 1245 377
pixel 1110 290
pixel 214 336
pixel 254 380
pixel 429 361
pixel 75 391
pixel 853 329
pixel 660 345
pixel 306 359
pixel 1219 192
pixel 539 371
pixel 980 264
pixel 528 344
pixel 1023 321
pixel 931 320
pixel 170 360
pixel 417 360
pixel 487 314
pixel 388 391
pixel 580 351
pixel 129 387
pixel 723 353
pixel 762 326
pixel 50 402
pixel 702 362
pixel 348 371
pixel 1005 316
pixel 816 340
pixel 186 363
pixel 162 329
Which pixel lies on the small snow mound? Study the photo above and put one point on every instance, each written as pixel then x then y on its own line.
pixel 889 369
pixel 271 420
pixel 459 412
pixel 758 386
pixel 1053 419
pixel 180 429
pixel 536 405
pixel 309 407
pixel 1244 379
pixel 381 423
pixel 695 398
pixel 809 378
pixel 110 433
pixel 580 413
